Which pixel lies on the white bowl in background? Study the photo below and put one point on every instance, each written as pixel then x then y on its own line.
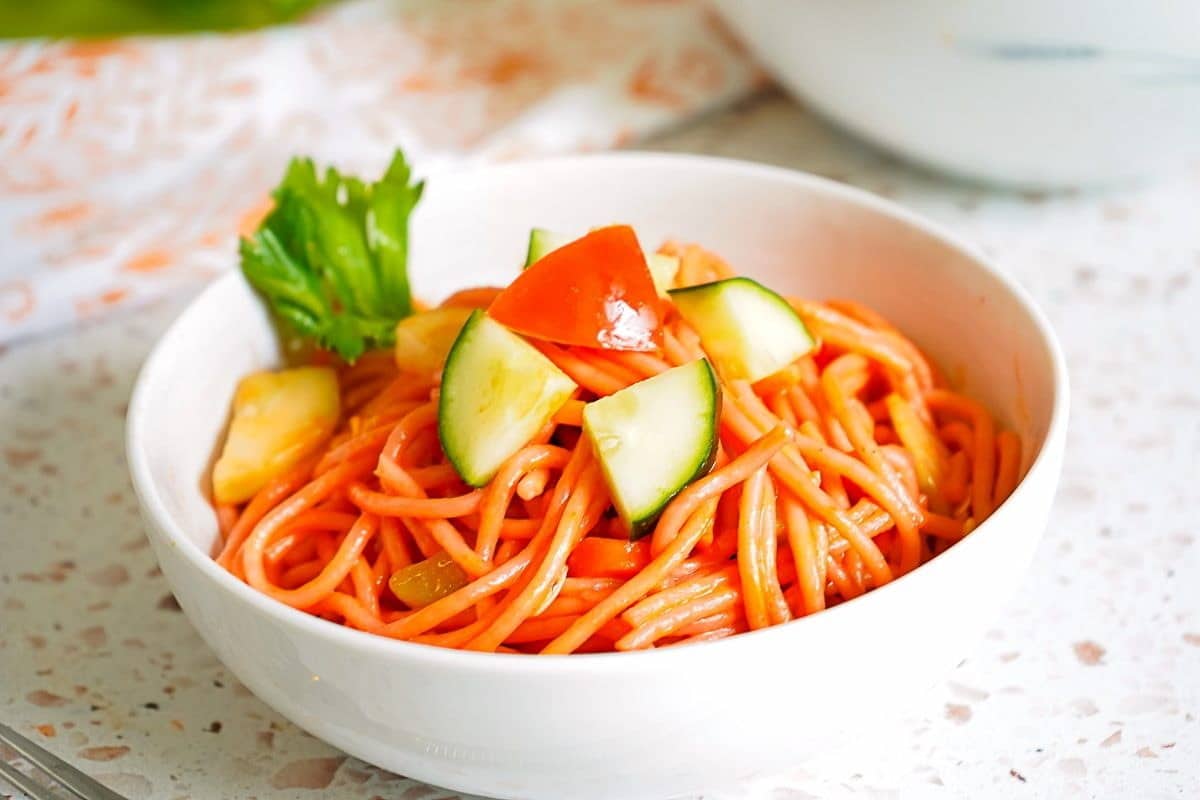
pixel 626 725
pixel 1035 93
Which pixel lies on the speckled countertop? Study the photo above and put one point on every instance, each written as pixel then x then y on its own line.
pixel 1087 686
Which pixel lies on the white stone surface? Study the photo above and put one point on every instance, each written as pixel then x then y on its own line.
pixel 1087 686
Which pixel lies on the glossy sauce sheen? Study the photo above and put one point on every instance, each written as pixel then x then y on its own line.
pixel 594 292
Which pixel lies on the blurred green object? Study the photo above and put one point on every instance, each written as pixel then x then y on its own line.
pixel 104 18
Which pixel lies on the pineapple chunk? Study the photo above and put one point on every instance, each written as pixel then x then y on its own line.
pixel 425 582
pixel 423 340
pixel 663 269
pixel 278 419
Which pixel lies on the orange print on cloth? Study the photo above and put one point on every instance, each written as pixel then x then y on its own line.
pixel 128 167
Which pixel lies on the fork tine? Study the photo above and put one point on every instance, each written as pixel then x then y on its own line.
pixel 63 773
pixel 24 783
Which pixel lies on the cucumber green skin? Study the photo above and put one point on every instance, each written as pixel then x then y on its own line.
pixel 531 253
pixel 445 435
pixel 646 524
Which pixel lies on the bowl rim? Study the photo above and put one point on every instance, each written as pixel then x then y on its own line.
pixel 148 494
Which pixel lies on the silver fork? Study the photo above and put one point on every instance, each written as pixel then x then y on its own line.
pixel 63 773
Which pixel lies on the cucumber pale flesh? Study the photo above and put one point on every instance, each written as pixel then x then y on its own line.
pixel 497 392
pixel 748 330
pixel 542 241
pixel 654 438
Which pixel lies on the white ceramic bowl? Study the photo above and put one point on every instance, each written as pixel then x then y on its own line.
pixel 1039 93
pixel 647 724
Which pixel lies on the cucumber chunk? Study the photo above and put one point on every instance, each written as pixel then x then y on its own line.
pixel 542 241
pixel 654 438
pixel 497 392
pixel 748 330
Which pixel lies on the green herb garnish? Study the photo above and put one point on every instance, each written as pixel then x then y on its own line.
pixel 91 19
pixel 331 257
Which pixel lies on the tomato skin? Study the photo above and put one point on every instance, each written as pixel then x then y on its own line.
pixel 597 557
pixel 594 292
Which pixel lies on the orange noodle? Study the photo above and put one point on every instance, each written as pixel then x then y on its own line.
pixel 851 466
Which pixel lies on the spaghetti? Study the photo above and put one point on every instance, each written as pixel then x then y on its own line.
pixel 853 466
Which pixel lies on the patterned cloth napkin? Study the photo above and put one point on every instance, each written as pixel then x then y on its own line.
pixel 126 166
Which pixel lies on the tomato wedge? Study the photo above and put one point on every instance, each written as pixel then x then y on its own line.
pixel 596 557
pixel 594 292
